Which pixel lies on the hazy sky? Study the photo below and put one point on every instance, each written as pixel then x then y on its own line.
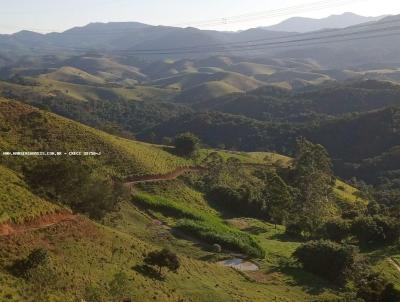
pixel 58 15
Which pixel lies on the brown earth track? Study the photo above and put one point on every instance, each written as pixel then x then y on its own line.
pixel 45 221
pixel 174 174
pixel 162 177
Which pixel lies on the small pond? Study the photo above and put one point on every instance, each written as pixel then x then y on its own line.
pixel 240 264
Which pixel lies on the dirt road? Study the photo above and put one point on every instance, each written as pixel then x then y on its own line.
pixel 162 177
pixel 45 221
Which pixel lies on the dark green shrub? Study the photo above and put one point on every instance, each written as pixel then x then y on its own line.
pixel 163 258
pixel 76 185
pixel 376 230
pixel 229 199
pixel 294 230
pixel 336 230
pixel 186 144
pixel 373 288
pixel 329 260
pixel 23 267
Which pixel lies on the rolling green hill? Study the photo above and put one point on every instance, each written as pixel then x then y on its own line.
pixel 86 256
pixel 27 128
pixel 105 68
pixel 206 91
pixel 17 203
pixel 252 69
pixel 74 75
pixel 291 193
pixel 116 110
pixel 190 80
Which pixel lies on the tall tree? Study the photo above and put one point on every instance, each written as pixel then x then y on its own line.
pixel 277 197
pixel 186 144
pixel 313 177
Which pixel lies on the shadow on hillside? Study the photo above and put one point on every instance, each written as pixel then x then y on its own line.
pixel 222 210
pixel 377 253
pixel 287 238
pixel 170 150
pixel 255 230
pixel 148 271
pixel 310 283
pixel 196 241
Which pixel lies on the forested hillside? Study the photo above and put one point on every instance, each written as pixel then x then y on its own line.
pixel 79 232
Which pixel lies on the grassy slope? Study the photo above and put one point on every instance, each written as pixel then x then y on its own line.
pixel 82 254
pixel 269 237
pixel 346 192
pixel 190 80
pixel 73 75
pixel 251 69
pixel 105 68
pixel 84 92
pixel 49 132
pixel 17 203
pixel 49 87
pixel 208 90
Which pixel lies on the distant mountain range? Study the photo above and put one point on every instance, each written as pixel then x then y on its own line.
pixel 376 44
pixel 303 25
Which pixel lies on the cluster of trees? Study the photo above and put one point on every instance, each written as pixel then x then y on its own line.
pixel 233 132
pixel 300 196
pixel 270 200
pixel 340 264
pixel 369 231
pixel 109 109
pixel 364 145
pixel 376 230
pixel 75 184
pixel 267 118
pixel 310 105
pixel 327 259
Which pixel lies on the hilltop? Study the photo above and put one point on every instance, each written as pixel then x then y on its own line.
pixel 299 24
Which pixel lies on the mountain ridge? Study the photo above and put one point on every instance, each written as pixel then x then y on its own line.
pixel 303 24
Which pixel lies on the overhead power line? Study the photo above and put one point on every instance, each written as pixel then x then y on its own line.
pixel 298 42
pixel 323 34
pixel 305 7
pixel 281 44
pixel 270 42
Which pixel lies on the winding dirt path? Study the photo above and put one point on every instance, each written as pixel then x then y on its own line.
pixel 162 177
pixel 45 221
pixel 130 182
pixel 48 220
